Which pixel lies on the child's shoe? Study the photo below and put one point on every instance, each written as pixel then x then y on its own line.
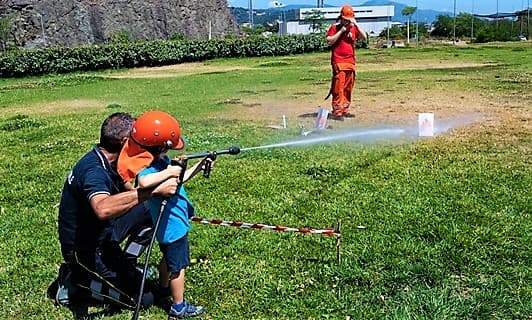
pixel 184 310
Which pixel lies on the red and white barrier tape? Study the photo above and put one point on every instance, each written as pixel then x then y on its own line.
pixel 260 226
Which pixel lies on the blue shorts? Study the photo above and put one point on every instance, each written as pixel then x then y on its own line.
pixel 176 255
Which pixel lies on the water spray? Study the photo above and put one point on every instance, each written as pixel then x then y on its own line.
pixel 361 134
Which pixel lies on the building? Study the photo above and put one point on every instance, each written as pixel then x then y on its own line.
pixel 373 19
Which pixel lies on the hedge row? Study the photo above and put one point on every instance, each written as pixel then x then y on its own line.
pixel 150 53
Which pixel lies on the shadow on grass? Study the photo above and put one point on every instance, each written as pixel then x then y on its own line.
pixel 80 311
pixel 80 302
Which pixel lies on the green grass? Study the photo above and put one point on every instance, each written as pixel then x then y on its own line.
pixel 449 225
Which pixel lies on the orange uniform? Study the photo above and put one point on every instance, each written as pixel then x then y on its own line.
pixel 343 63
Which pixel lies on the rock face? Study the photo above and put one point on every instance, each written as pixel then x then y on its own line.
pixel 37 23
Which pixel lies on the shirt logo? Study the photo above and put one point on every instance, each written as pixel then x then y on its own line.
pixel 70 177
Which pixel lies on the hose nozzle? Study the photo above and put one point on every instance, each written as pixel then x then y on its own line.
pixel 234 150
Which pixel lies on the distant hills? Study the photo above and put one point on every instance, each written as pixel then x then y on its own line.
pixel 264 16
pixel 291 12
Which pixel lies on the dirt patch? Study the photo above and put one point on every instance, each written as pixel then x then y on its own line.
pixel 388 108
pixel 267 110
pixel 171 71
pixel 409 65
pixel 56 107
pixel 403 107
pixel 418 65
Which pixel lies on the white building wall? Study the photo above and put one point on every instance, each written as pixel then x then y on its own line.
pixel 293 27
pixel 373 19
pixel 368 12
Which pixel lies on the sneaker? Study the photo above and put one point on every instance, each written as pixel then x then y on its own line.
pixel 188 310
pixel 349 115
pixel 61 289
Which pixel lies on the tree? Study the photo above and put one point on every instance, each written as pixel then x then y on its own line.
pixel 396 33
pixel 408 12
pixel 463 24
pixel 317 20
pixel 443 27
pixel 485 30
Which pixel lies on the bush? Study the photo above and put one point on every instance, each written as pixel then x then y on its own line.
pixel 151 53
pixel 121 37
pixel 363 44
pixel 178 36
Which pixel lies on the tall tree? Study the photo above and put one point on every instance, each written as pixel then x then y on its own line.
pixel 408 12
pixel 317 20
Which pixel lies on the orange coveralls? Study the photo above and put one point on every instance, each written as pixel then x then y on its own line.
pixel 343 67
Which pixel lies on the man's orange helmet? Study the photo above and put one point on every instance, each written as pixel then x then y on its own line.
pixel 347 12
pixel 157 129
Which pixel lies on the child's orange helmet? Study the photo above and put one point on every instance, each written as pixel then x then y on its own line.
pixel 347 12
pixel 157 129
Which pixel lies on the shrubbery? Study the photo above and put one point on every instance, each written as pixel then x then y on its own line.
pixel 150 53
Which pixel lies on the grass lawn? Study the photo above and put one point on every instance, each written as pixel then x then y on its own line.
pixel 448 220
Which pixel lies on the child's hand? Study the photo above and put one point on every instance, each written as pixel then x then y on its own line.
pixel 207 163
pixel 174 171
pixel 166 189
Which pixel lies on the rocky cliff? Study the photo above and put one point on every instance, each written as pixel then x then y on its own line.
pixel 36 23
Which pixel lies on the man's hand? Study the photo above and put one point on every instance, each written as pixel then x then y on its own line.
pixel 166 189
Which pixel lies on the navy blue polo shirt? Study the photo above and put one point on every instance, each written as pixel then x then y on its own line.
pixel 80 229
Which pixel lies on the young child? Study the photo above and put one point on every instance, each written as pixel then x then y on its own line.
pixel 153 134
pixel 172 232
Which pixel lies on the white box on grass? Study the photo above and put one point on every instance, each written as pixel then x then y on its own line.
pixel 426 124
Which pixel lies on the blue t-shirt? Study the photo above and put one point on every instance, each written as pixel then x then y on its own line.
pixel 175 220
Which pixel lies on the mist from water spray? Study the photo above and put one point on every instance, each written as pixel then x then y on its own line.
pixel 375 134
pixel 362 135
pixel 445 125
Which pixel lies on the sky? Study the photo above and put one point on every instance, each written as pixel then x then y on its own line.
pixel 481 6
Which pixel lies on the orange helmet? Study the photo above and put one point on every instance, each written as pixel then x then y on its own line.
pixel 157 129
pixel 347 12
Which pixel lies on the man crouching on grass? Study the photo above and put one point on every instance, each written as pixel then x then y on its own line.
pixel 342 37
